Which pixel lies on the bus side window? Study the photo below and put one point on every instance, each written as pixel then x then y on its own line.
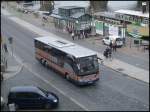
pixel 61 61
pixel 36 43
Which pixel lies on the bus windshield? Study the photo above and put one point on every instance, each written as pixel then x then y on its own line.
pixel 88 65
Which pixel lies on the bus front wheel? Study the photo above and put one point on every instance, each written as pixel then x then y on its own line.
pixel 46 64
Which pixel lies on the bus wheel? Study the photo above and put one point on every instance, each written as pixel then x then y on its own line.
pixel 45 64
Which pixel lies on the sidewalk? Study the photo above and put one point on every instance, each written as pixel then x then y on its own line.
pixel 13 67
pixel 115 64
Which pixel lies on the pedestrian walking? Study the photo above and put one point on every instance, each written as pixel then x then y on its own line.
pixel 67 28
pixel 111 44
pixel 72 35
pixel 115 46
pixel 86 36
pixel 5 47
pixel 110 53
pixel 78 35
pixel 83 34
pixel 107 53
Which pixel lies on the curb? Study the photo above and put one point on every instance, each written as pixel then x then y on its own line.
pixel 126 75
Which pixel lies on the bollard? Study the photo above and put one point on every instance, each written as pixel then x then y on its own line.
pixel 12 107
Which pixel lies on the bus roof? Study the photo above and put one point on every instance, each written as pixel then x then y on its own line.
pixel 132 12
pixel 66 46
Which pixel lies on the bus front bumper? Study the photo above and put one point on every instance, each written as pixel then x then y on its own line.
pixel 87 82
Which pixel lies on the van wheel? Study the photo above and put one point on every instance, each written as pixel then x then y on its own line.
pixel 47 106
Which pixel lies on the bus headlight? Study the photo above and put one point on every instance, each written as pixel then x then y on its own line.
pixel 55 100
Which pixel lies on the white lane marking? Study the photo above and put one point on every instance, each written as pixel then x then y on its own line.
pixel 46 81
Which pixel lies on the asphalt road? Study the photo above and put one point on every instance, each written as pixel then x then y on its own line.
pixel 112 92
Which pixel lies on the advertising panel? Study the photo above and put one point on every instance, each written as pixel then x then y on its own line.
pixel 138 30
pixel 113 30
pixel 99 27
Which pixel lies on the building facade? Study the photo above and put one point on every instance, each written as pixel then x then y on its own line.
pixel 106 24
pixel 137 22
pixel 72 18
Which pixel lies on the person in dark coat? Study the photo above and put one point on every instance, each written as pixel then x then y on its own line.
pixel 111 45
pixel 107 52
pixel 114 46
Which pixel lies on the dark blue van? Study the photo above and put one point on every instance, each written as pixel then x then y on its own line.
pixel 32 97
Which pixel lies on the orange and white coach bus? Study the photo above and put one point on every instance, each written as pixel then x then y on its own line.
pixel 73 61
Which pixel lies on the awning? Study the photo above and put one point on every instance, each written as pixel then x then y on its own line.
pixel 135 35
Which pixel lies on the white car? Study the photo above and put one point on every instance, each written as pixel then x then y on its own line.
pixel 107 40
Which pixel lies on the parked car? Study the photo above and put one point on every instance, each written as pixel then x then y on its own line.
pixel 108 39
pixel 32 97
pixel 2 102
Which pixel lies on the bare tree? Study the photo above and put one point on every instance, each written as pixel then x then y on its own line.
pixel 98 5
pixel 47 5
